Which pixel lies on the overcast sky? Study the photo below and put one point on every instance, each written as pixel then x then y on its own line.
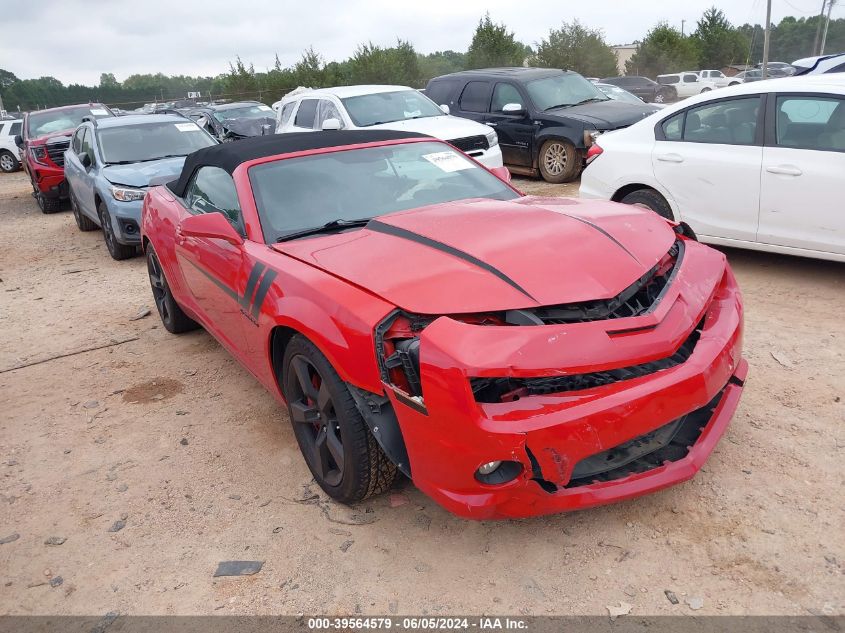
pixel 76 40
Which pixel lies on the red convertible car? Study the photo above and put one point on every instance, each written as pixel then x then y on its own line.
pixel 513 355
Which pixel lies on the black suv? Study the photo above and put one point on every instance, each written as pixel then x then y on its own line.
pixel 546 119
pixel 646 89
pixel 233 121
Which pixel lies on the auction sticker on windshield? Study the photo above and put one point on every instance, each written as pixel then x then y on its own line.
pixel 187 127
pixel 99 112
pixel 448 161
pixel 264 108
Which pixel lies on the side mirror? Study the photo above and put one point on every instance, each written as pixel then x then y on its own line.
pixel 212 225
pixel 19 141
pixel 265 129
pixel 502 173
pixel 513 108
pixel 332 124
pixel 85 159
pixel 445 108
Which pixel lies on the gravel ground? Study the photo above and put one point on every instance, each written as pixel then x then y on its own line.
pixel 153 460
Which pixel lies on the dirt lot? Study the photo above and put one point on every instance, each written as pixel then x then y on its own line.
pixel 171 436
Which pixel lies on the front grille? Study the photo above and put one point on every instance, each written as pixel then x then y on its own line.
pixel 470 143
pixel 639 298
pixel 56 152
pixel 491 390
pixel 669 443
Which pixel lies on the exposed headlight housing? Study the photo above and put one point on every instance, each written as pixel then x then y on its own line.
pixel 38 153
pixel 492 138
pixel 125 194
pixel 590 136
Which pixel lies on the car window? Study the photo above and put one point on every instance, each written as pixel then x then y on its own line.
pixel 306 114
pixel 673 127
pixel 836 69
pixel 475 97
pixel 378 108
pixel 730 121
pixel 504 94
pixel 668 79
pixel 86 144
pixel 690 78
pixel 76 143
pixel 287 110
pixel 441 91
pixel 14 129
pixel 151 141
pixel 211 190
pixel 326 110
pixel 299 193
pixel 810 123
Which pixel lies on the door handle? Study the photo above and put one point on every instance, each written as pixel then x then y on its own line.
pixel 670 158
pixel 490 124
pixel 784 170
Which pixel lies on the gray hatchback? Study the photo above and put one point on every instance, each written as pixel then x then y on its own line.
pixel 111 163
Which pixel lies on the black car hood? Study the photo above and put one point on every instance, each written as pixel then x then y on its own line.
pixel 246 126
pixel 603 115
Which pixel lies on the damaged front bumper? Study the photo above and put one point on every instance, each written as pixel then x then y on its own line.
pixel 579 447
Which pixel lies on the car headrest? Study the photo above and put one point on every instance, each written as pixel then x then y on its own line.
pixel 693 122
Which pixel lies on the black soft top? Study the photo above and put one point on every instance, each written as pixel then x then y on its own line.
pixel 229 156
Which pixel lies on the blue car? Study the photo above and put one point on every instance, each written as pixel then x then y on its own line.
pixel 111 162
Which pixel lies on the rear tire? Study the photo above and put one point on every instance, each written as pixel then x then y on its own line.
pixel 651 200
pixel 48 205
pixel 117 250
pixel 703 90
pixel 344 457
pixel 173 318
pixel 8 162
pixel 83 222
pixel 559 161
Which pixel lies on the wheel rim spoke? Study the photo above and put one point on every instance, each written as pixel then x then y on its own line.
pixel 303 377
pixel 304 413
pixel 334 445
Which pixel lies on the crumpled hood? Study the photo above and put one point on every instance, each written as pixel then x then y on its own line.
pixel 489 255
pixel 443 127
pixel 140 174
pixel 247 126
pixel 605 115
pixel 62 136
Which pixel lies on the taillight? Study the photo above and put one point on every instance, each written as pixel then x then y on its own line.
pixel 593 152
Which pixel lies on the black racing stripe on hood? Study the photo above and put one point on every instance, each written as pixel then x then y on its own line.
pixel 387 229
pixel 606 234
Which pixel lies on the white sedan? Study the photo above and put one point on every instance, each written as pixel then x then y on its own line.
pixel 757 166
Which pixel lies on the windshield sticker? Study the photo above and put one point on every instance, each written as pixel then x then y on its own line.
pixel 187 127
pixel 448 161
pixel 99 112
pixel 264 107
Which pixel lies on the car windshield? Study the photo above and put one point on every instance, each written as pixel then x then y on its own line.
pixel 387 107
pixel 563 91
pixel 252 111
pixel 149 141
pixel 667 80
pixel 40 123
pixel 297 194
pixel 615 92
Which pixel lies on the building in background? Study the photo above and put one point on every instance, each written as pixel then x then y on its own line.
pixel 623 53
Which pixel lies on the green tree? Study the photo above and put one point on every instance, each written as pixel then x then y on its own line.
pixel 107 80
pixel 718 43
pixel 664 50
pixel 241 79
pixel 377 65
pixel 492 45
pixel 7 78
pixel 440 63
pixel 576 47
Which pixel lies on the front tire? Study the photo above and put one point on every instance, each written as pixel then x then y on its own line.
pixel 651 200
pixel 559 161
pixel 173 318
pixel 117 250
pixel 8 162
pixel 344 457
pixel 48 205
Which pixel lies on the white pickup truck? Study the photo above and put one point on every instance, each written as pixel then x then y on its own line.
pixel 687 83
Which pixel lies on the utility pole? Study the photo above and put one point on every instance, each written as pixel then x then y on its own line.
pixel 682 27
pixel 766 39
pixel 819 28
pixel 826 25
